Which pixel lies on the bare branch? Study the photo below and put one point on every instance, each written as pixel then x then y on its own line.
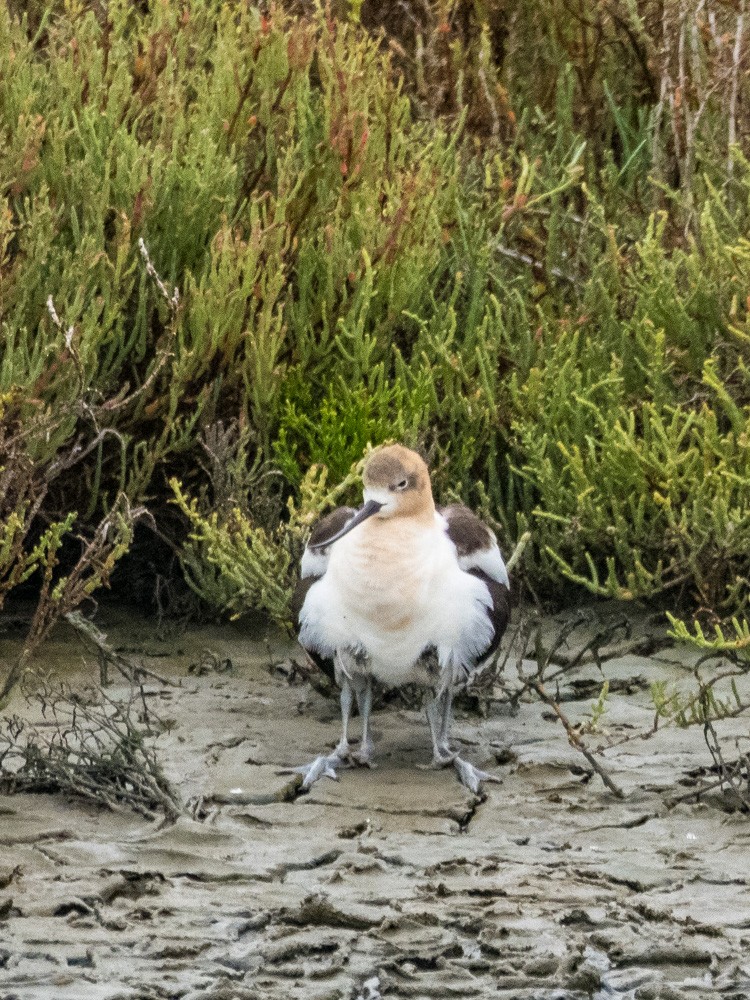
pixel 92 746
pixel 173 300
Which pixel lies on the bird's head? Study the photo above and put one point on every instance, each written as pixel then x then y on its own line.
pixel 399 481
pixel 397 484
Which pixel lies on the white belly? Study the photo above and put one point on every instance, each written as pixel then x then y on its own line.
pixel 393 589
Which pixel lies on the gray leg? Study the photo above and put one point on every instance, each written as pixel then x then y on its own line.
pixel 439 718
pixel 363 693
pixel 325 766
pixel 347 699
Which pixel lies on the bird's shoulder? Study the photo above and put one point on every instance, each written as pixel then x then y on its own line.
pixel 475 543
pixel 315 557
pixel 315 560
pixel 479 554
pixel 313 567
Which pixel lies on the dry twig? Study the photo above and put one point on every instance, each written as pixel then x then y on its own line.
pixel 94 747
pixel 93 568
pixel 107 656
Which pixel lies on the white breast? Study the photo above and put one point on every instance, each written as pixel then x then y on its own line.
pixel 392 589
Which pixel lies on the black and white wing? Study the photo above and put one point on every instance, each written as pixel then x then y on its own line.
pixel 479 554
pixel 315 557
pixel 312 568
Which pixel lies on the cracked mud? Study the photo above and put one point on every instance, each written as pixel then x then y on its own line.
pixel 393 882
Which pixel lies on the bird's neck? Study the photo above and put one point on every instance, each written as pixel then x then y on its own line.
pixel 384 567
pixel 423 515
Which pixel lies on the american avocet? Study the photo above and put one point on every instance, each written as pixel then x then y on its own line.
pixel 401 592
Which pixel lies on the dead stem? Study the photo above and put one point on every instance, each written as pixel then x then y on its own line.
pixel 576 742
pixel 96 639
pixel 91 746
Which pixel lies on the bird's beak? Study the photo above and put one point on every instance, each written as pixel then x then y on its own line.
pixel 370 508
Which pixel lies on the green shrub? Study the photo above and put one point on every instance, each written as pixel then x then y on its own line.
pixel 235 563
pixel 632 427
pixel 511 241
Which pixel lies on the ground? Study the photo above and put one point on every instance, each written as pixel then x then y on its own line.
pixel 394 882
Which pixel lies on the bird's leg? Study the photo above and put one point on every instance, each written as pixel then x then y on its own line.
pixel 347 700
pixel 352 685
pixel 446 717
pixel 325 766
pixel 439 718
pixel 363 693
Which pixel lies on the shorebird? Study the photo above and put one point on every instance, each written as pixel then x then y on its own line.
pixel 400 592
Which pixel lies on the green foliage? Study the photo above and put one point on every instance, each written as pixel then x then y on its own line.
pixel 598 711
pixel 695 708
pixel 515 237
pixel 737 646
pixel 633 431
pixel 235 563
pixel 17 563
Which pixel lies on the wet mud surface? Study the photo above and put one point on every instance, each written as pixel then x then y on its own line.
pixel 394 882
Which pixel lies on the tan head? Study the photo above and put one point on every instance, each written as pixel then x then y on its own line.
pixel 399 480
pixel 397 484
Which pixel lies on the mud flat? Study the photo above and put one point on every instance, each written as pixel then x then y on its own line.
pixel 394 882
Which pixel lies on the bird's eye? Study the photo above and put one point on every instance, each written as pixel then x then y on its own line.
pixel 401 486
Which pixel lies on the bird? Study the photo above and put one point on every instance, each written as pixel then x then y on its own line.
pixel 400 592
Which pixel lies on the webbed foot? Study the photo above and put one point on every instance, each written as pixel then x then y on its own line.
pixel 325 766
pixel 321 767
pixel 472 777
pixel 364 756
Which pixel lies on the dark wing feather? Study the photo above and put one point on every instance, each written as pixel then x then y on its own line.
pixel 499 610
pixel 298 598
pixel 476 545
pixel 330 525
pixel 467 532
